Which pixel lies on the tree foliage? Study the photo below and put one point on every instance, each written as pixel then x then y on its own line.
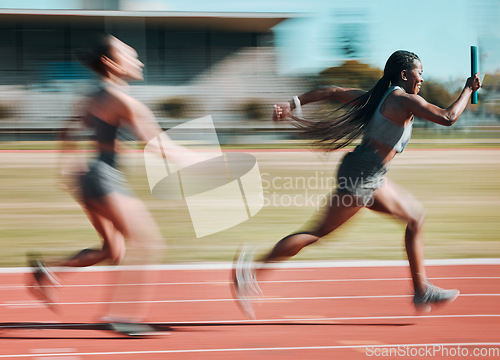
pixel 351 73
pixel 490 94
pixel 491 82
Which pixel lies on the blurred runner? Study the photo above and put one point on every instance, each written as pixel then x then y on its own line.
pixel 116 214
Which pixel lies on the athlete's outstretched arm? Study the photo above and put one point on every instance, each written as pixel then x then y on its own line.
pixel 144 124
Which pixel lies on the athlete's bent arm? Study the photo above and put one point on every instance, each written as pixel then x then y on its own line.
pixel 345 95
pixel 417 106
pixel 341 94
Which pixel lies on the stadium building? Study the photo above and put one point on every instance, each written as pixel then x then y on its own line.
pixel 196 64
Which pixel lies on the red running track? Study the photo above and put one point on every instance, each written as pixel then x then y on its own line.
pixel 306 313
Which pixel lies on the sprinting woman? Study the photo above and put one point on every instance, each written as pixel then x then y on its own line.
pixel 116 214
pixel 383 116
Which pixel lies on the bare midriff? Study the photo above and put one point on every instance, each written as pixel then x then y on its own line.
pixel 385 152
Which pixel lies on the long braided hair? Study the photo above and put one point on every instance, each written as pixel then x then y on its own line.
pixel 336 133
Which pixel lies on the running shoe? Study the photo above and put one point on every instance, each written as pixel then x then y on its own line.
pixel 134 329
pixel 43 282
pixel 433 295
pixel 245 286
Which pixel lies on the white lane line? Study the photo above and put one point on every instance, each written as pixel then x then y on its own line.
pixel 31 303
pixel 17 286
pixel 287 348
pixel 283 265
pixel 54 350
pixel 230 322
pixel 351 318
pixel 57 353
pixel 57 357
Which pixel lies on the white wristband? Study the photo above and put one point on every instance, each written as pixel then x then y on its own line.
pixel 298 107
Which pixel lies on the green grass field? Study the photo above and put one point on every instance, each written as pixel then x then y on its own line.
pixel 459 187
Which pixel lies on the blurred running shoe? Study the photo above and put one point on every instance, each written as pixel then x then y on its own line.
pixel 134 329
pixel 433 295
pixel 245 286
pixel 43 282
